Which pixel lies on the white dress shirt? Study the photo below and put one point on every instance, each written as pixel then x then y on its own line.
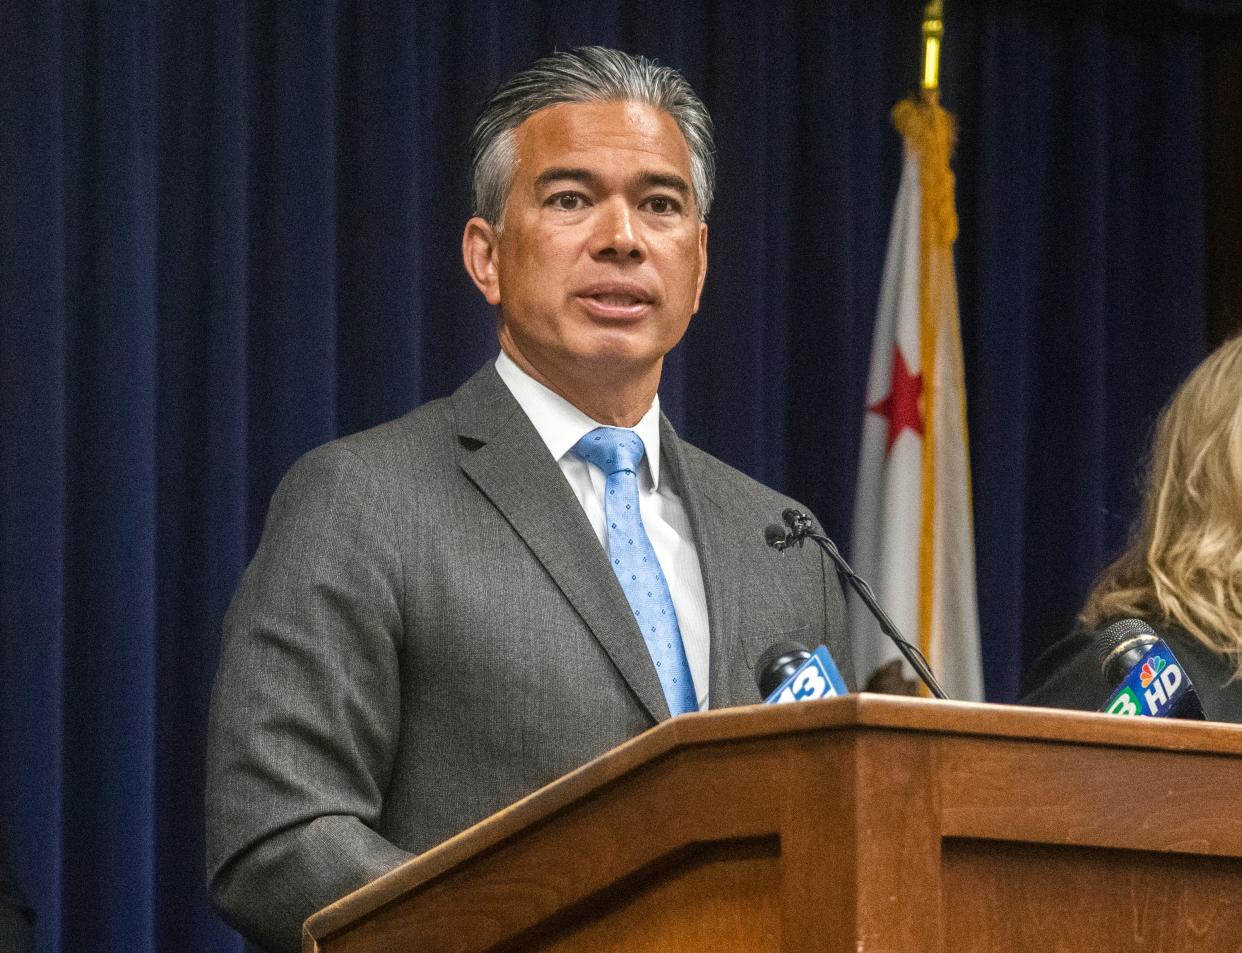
pixel 561 425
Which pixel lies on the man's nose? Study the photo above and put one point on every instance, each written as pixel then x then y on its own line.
pixel 618 233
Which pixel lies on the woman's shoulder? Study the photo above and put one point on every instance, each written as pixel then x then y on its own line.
pixel 1068 675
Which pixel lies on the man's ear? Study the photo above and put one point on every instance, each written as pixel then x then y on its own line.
pixel 480 251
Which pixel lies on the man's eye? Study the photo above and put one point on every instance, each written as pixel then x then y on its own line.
pixel 662 205
pixel 566 201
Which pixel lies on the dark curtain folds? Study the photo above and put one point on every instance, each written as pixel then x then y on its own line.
pixel 1080 270
pixel 229 232
pixel 1214 8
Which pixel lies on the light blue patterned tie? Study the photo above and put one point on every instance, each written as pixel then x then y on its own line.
pixel 618 452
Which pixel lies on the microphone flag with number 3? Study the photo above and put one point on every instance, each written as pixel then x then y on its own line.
pixel 815 678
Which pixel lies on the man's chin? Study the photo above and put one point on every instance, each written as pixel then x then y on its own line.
pixel 608 358
pixel 620 359
pixel 624 346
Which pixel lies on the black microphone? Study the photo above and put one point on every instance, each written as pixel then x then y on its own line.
pixel 778 537
pixel 790 672
pixel 777 663
pixel 1150 681
pixel 800 527
pixel 1122 646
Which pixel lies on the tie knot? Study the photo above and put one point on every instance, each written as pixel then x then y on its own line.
pixel 612 449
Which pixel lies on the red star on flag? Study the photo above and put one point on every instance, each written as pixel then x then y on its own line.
pixel 902 405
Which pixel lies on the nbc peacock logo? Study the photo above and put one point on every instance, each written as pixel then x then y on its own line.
pixel 1151 668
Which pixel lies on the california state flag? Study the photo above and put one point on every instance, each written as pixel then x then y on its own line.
pixel 913 529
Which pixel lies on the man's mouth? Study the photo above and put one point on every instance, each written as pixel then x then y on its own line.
pixel 613 301
pixel 620 300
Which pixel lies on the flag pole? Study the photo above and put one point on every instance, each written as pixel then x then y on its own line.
pixel 913 528
pixel 933 35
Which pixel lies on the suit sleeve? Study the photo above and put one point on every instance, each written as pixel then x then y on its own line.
pixel 306 706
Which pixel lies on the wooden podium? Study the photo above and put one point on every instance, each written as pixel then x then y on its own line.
pixel 864 824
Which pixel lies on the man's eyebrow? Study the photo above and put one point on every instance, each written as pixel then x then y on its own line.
pixel 666 180
pixel 562 173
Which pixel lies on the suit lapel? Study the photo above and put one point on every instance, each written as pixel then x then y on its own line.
pixel 719 558
pixel 505 458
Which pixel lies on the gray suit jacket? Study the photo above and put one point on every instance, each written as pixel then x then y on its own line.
pixel 430 630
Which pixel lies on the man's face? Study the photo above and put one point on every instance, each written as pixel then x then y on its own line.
pixel 602 254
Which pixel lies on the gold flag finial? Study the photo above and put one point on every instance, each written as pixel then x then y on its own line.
pixel 933 34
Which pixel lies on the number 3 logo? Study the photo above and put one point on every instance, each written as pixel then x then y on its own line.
pixel 809 684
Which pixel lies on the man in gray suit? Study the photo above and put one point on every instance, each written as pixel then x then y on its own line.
pixel 455 608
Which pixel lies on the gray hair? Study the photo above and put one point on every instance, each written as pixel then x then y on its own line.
pixel 589 74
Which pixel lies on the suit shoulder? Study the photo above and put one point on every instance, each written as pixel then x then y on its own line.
pixel 427 423
pixel 385 445
pixel 732 485
pixel 429 432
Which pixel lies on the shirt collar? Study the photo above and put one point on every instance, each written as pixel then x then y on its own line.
pixel 561 425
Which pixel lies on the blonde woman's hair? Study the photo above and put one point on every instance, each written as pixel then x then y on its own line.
pixel 1183 565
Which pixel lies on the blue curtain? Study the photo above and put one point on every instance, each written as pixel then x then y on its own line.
pixel 229 232
pixel 1215 8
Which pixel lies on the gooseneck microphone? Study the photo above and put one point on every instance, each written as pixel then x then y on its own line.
pixel 778 537
pixel 799 527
